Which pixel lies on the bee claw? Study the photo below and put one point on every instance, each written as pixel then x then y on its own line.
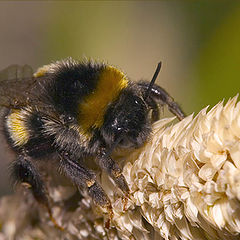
pixel 110 216
pixel 125 202
pixel 53 220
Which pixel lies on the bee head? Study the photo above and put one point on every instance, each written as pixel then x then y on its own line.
pixel 126 122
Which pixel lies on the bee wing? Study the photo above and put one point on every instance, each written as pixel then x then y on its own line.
pixel 15 84
pixel 16 72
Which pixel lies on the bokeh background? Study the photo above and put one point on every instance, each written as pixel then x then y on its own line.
pixel 198 43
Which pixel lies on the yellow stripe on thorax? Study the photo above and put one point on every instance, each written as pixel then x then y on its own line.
pixel 16 123
pixel 93 107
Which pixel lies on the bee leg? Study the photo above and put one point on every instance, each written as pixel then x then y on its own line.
pixel 24 172
pixel 155 109
pixel 161 95
pixel 86 179
pixel 113 170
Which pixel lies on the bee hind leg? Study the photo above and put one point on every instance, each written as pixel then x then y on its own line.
pixel 23 171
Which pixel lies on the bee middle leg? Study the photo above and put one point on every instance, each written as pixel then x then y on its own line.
pixel 85 179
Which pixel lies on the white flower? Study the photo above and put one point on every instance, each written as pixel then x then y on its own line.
pixel 185 182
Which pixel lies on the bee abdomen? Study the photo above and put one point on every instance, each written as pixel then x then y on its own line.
pixel 24 129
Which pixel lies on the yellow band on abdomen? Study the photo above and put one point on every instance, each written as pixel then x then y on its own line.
pixel 16 126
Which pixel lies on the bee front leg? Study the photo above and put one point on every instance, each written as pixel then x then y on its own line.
pixel 154 107
pixel 113 170
pixel 23 171
pixel 157 93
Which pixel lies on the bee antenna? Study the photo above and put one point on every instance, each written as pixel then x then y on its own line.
pixel 153 80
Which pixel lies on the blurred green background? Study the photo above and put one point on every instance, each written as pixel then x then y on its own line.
pixel 197 41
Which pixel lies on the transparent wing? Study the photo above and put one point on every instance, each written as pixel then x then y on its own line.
pixel 16 72
pixel 15 84
pixel 18 88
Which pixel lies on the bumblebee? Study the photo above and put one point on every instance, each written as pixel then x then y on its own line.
pixel 77 110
